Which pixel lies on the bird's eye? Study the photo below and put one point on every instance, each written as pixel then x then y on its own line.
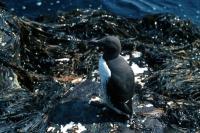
pixel 110 49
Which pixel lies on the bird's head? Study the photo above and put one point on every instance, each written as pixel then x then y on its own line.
pixel 110 45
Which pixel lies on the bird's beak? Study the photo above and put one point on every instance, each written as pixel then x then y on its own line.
pixel 95 42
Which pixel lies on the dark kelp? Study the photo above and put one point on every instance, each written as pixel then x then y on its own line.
pixel 33 78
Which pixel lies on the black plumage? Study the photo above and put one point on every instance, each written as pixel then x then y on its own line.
pixel 120 86
pixel 118 81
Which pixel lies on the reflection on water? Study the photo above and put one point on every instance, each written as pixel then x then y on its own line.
pixel 130 8
pixel 135 8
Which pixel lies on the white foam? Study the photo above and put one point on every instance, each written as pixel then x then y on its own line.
pixel 126 57
pixel 170 103
pixel 78 80
pixel 11 78
pixel 137 70
pixel 39 3
pixel 24 7
pixel 94 76
pixel 3 44
pixel 93 79
pixel 36 91
pixel 80 127
pixel 62 59
pixel 136 54
pixel 95 72
pixel 139 80
pixel 50 129
pixel 66 127
pixel 149 105
pixel 140 106
pixel 95 99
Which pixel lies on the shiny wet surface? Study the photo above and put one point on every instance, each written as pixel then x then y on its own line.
pixel 43 63
pixel 186 9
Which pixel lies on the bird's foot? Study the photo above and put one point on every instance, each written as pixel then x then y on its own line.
pixel 119 112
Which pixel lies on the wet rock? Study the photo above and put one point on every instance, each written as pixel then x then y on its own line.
pixel 45 59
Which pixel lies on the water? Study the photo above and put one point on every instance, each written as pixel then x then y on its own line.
pixel 188 9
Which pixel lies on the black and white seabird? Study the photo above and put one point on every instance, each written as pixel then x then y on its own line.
pixel 117 77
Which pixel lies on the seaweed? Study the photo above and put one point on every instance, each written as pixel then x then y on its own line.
pixel 43 62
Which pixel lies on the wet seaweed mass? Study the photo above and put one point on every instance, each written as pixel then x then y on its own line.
pixel 47 68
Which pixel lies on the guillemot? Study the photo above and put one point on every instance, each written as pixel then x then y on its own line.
pixel 117 77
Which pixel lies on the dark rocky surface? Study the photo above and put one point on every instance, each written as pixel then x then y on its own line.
pixel 38 88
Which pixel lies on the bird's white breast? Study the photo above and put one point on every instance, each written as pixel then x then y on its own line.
pixel 105 74
pixel 104 71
